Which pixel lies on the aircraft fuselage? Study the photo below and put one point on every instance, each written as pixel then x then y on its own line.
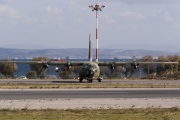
pixel 90 71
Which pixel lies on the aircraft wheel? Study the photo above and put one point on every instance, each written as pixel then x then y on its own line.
pixel 80 80
pixel 90 81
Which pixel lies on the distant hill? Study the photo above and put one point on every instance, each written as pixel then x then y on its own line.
pixel 78 53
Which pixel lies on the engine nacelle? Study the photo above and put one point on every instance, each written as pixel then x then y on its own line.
pixel 57 69
pixel 68 65
pixel 123 69
pixel 112 67
pixel 134 65
pixel 45 65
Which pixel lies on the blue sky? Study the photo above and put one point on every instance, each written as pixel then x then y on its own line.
pixel 123 24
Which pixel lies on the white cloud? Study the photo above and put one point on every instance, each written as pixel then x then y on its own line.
pixel 53 10
pixel 144 2
pixel 110 19
pixel 167 17
pixel 4 9
pixel 164 14
pixel 131 14
pixel 73 5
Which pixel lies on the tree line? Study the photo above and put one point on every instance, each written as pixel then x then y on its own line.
pixel 153 71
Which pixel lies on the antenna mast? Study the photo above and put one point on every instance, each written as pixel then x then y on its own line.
pixel 96 8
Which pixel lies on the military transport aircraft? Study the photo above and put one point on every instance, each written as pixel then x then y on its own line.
pixel 90 70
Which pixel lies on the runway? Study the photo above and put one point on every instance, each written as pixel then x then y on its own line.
pixel 89 98
pixel 67 81
pixel 104 98
pixel 89 93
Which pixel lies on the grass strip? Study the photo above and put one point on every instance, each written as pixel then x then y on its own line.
pixel 83 85
pixel 86 114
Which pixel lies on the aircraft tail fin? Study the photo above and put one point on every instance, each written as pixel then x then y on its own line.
pixel 90 49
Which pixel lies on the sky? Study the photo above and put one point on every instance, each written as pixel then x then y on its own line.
pixel 123 24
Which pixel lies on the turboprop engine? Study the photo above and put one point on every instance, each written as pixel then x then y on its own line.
pixel 68 65
pixel 45 65
pixel 112 67
pixel 134 65
pixel 56 69
pixel 123 69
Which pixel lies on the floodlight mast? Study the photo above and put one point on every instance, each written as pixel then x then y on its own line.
pixel 96 8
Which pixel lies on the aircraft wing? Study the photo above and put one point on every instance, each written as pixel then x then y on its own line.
pixel 157 62
pixel 138 63
pixel 24 62
pixel 81 63
pixel 66 63
pixel 114 63
pixel 45 62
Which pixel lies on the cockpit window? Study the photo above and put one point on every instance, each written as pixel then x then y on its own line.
pixel 85 66
pixel 93 67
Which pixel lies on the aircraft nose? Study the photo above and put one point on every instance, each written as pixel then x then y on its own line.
pixel 90 73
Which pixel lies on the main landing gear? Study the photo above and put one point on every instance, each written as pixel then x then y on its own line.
pixel 90 80
pixel 99 80
pixel 80 80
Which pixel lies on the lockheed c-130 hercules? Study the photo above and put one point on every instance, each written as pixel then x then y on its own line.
pixel 90 70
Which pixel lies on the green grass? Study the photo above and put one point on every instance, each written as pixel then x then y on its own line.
pixel 83 85
pixel 110 114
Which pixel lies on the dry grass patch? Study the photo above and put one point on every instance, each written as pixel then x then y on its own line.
pixel 86 114
pixel 83 85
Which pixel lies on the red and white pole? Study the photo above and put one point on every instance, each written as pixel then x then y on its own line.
pixel 96 8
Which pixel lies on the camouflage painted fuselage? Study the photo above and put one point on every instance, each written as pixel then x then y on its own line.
pixel 90 71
